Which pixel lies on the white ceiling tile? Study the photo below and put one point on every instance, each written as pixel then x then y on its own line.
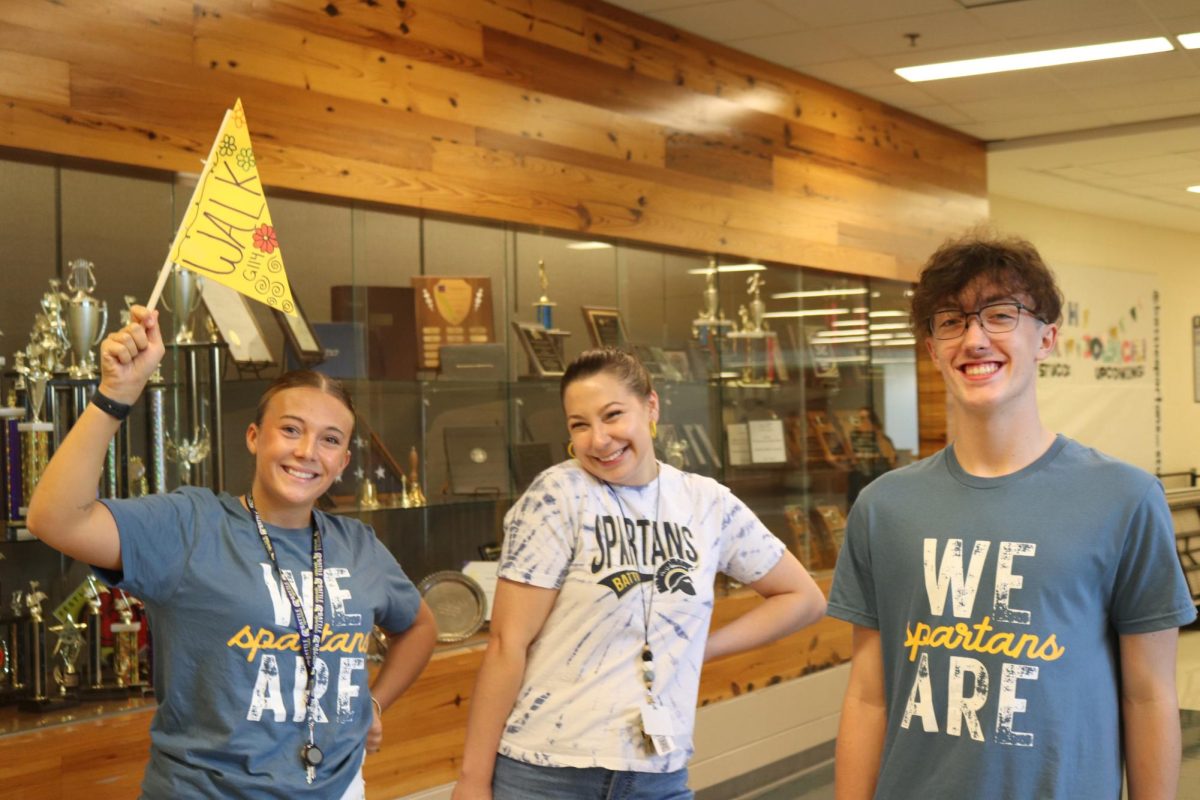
pixel 1033 126
pixel 935 32
pixel 1142 166
pixel 1022 106
pixel 900 94
pixel 851 74
pixel 943 115
pixel 729 20
pixel 795 49
pixel 1037 17
pixel 1148 69
pixel 1170 9
pixel 1140 95
pixel 827 13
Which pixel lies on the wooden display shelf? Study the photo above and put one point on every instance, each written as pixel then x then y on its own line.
pixel 423 732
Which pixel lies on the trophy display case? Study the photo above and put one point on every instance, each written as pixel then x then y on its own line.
pixel 794 387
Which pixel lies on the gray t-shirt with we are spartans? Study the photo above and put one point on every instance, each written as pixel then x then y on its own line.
pixel 999 602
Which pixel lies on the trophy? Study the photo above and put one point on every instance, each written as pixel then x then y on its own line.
pixel 10 461
pixel 39 668
pixel 416 497
pixel 96 688
pixel 35 434
pixel 48 342
pixel 126 661
pixel 756 347
pixel 86 318
pixel 368 495
pixel 186 287
pixel 188 452
pixel 710 324
pixel 544 305
pixel 15 649
pixel 66 655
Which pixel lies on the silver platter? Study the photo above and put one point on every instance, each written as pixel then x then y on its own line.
pixel 457 603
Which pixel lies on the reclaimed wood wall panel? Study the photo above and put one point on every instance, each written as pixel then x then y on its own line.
pixel 569 114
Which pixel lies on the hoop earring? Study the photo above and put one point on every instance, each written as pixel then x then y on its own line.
pixel 571 449
pixel 653 429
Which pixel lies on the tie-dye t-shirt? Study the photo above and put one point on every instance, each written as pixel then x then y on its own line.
pixel 998 603
pixel 613 552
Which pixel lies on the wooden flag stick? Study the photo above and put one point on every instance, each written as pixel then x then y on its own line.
pixel 166 267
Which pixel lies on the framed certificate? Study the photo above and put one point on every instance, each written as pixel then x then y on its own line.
pixel 231 313
pixel 605 326
pixel 300 336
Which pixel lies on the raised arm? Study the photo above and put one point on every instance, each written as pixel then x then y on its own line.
pixel 1150 714
pixel 518 615
pixel 793 600
pixel 64 512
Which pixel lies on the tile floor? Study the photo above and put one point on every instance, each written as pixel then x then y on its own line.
pixel 817 783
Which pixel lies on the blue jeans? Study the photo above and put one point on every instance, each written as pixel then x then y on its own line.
pixel 516 780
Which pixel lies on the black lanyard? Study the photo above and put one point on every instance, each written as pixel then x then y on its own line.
pixel 310 637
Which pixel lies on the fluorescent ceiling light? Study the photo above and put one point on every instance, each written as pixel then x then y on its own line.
pixel 896 343
pixel 1191 41
pixel 859 310
pixel 728 268
pixel 889 314
pixel 819 293
pixel 1195 189
pixel 848 323
pixel 846 340
pixel 890 326
pixel 1038 58
pixel 812 312
pixel 826 334
pixel 589 246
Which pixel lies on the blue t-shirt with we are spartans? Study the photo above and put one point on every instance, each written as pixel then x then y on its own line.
pixel 999 603
pixel 228 671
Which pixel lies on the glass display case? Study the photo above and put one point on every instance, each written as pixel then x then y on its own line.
pixel 792 386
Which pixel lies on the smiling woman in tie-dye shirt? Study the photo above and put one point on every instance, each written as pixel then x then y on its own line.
pixel 600 625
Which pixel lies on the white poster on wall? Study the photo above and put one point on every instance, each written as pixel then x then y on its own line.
pixel 1101 385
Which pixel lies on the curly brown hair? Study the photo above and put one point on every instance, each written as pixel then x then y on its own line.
pixel 981 255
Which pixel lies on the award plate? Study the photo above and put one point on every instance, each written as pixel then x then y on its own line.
pixel 477 459
pixel 542 348
pixel 605 326
pixel 451 310
pixel 457 602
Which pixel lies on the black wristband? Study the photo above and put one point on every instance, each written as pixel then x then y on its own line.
pixel 114 409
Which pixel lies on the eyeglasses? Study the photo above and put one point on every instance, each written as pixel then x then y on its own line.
pixel 995 318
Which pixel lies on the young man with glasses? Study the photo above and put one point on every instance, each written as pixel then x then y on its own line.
pixel 1016 597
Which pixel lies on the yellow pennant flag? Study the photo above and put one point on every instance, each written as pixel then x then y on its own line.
pixel 227 234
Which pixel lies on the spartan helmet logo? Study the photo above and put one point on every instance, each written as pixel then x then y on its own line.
pixel 672 576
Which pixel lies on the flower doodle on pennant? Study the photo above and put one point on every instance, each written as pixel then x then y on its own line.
pixel 245 158
pixel 228 146
pixel 239 117
pixel 264 239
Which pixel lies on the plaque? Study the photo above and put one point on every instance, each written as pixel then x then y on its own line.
pixel 477 459
pixel 543 347
pixel 388 314
pixel 457 602
pixel 821 354
pixel 300 336
pixel 829 527
pixel 451 310
pixel 605 326
pixel 530 459
pixel 866 438
pixel 230 312
pixel 826 441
